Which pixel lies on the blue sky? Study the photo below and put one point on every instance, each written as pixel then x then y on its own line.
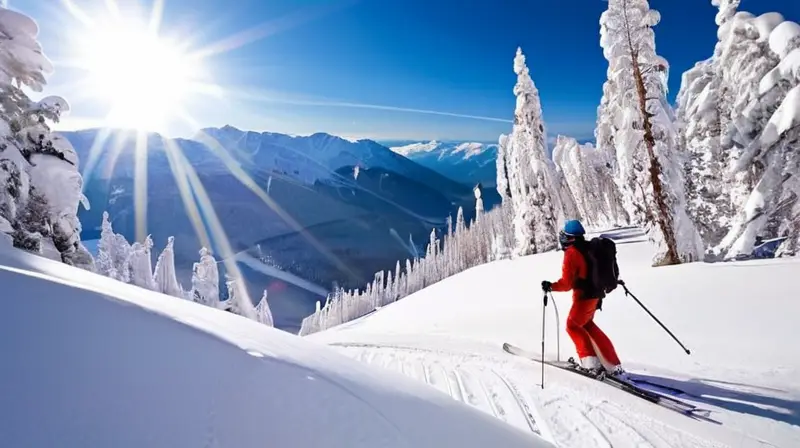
pixel 320 65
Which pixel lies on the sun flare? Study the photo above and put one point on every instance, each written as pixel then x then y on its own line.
pixel 142 78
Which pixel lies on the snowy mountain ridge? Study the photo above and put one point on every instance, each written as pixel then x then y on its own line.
pixel 465 162
pixel 363 218
pixel 444 149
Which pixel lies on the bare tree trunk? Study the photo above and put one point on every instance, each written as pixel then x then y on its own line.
pixel 663 216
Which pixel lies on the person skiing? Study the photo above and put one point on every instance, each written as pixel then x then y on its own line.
pixel 580 321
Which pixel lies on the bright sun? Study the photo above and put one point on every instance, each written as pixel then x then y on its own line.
pixel 143 78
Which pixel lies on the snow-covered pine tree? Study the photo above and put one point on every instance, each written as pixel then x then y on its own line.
pixel 113 253
pixel 237 302
pixel 478 203
pixel 105 247
pixel 589 176
pixel 712 97
pixel 205 280
pixel 772 159
pixel 649 164
pixel 264 313
pixel 165 277
pixel 31 157
pixel 537 209
pixel 142 264
pixel 568 197
pixel 503 187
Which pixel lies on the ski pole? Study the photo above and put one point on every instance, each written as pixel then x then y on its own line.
pixel 558 329
pixel 628 293
pixel 544 307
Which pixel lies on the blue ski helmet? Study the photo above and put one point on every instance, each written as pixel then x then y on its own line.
pixel 574 228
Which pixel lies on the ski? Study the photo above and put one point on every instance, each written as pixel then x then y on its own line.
pixel 647 395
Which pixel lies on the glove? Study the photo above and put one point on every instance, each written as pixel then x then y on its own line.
pixel 547 286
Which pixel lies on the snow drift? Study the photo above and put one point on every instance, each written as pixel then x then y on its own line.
pixel 89 361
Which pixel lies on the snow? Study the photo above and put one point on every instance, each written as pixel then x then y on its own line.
pixel 413 148
pixel 784 38
pixel 786 117
pixel 738 319
pixel 21 50
pixel 765 24
pixel 95 362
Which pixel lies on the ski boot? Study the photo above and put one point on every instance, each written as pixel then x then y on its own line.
pixel 590 365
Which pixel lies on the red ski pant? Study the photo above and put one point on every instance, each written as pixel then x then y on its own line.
pixel 583 331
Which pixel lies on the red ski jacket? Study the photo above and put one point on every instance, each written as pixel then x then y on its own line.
pixel 573 270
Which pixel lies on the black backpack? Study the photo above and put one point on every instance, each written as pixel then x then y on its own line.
pixel 603 272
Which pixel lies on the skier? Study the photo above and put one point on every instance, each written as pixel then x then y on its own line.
pixel 580 324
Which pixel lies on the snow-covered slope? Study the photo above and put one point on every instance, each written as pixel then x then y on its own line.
pixel 739 320
pixel 91 362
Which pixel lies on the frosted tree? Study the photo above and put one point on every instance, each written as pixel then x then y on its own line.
pixel 205 280
pixel 105 263
pixel 113 253
pixel 142 265
pixel 537 209
pixel 649 167
pixel 503 187
pixel 568 197
pixel 773 206
pixel 726 105
pixel 717 116
pixel 165 277
pixel 31 157
pixel 263 312
pixel 478 203
pixel 461 247
pixel 588 174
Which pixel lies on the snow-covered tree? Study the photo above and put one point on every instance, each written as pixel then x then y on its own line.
pixel 650 168
pixel 725 108
pixel 142 264
pixel 589 176
pixel 263 312
pixel 537 209
pixel 165 277
pixel 205 280
pixel 478 202
pixel 113 253
pixel 503 187
pixel 773 205
pixel 41 185
pixel 461 247
pixel 568 198
pixel 712 102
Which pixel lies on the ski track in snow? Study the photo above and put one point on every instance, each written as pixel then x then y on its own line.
pixel 559 414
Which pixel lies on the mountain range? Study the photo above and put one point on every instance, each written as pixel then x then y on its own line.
pixel 319 210
pixel 465 162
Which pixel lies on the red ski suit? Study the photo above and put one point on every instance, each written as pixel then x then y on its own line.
pixel 580 325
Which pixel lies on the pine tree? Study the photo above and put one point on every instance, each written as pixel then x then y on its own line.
pixel 113 253
pixel 588 174
pixel 31 157
pixel 537 209
pixel 649 166
pixel 205 280
pixel 263 311
pixel 503 186
pixel 165 277
pixel 773 205
pixel 142 265
pixel 478 203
